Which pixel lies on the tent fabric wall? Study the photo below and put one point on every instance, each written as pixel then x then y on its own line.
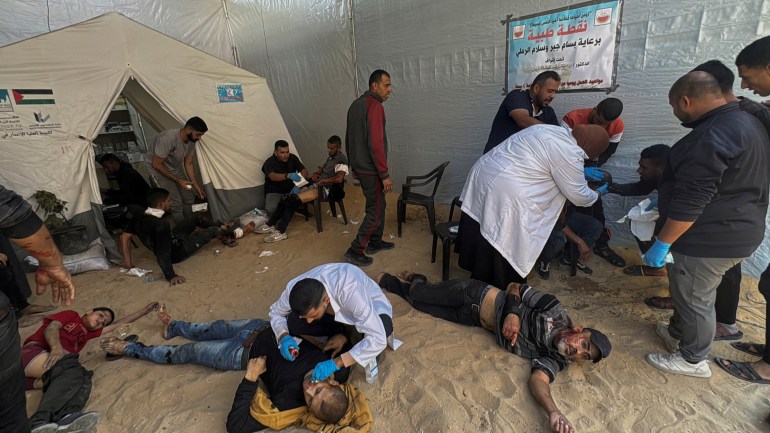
pixel 447 58
pixel 88 64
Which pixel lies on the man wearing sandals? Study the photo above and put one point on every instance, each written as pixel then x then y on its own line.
pixel 607 115
pixel 713 203
pixel 754 70
pixel 50 362
pixel 525 321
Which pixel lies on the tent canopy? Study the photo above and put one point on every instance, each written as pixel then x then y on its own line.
pixel 59 88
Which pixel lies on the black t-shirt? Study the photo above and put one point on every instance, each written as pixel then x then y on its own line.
pixel 133 188
pixel 503 126
pixel 274 165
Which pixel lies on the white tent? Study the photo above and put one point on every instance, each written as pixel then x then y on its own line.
pixel 57 89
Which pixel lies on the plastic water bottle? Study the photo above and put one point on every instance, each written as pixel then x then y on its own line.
pixel 151 279
pixel 371 370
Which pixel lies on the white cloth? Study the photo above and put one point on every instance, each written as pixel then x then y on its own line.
pixel 516 191
pixel 642 220
pixel 356 300
pixel 157 213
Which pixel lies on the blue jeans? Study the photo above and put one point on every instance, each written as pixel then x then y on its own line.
pixel 588 228
pixel 218 344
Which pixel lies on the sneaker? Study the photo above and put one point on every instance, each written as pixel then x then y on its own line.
pixel 276 236
pixel 357 259
pixel 376 247
pixel 50 427
pixel 79 422
pixel 675 363
pixel 264 228
pixel 580 266
pixel 544 269
pixel 672 344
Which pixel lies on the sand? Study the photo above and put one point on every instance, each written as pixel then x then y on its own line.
pixel 446 377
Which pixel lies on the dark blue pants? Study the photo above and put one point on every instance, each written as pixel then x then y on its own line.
pixel 588 228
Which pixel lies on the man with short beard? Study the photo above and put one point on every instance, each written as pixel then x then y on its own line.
pixel 170 165
pixel 523 108
pixel 526 322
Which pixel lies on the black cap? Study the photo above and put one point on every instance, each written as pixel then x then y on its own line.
pixel 601 342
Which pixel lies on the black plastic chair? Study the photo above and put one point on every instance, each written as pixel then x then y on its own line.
pixel 443 231
pixel 332 205
pixel 426 201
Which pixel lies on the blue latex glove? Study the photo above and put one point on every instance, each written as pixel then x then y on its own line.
pixel 323 370
pixel 593 174
pixel 656 255
pixel 294 176
pixel 653 204
pixel 287 343
pixel 295 190
pixel 603 189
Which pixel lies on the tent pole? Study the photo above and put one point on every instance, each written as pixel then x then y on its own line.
pixel 236 59
pixel 353 44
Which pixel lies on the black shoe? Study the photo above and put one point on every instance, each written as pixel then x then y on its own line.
pixel 543 269
pixel 610 256
pixel 580 266
pixel 80 422
pixel 357 259
pixel 376 247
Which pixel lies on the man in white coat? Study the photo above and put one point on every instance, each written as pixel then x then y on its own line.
pixel 514 194
pixel 333 292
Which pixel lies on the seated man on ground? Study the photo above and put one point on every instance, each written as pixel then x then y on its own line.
pixel 329 179
pixel 335 292
pixel 607 115
pixel 249 344
pixel 526 322
pixel 279 170
pixel 652 161
pixel 50 361
pixel 581 230
pixel 169 245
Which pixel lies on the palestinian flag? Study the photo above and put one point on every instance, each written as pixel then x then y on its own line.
pixel 33 96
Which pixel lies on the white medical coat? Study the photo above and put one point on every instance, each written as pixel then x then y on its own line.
pixel 356 300
pixel 516 191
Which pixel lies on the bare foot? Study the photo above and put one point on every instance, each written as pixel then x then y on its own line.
pixel 379 276
pixel 113 345
pixel 165 318
pixel 406 276
pixel 35 309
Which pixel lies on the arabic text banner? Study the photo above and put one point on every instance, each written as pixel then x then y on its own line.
pixel 578 43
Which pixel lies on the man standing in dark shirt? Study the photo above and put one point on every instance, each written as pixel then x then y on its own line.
pixel 713 203
pixel 526 322
pixel 132 188
pixel 169 245
pixel 279 170
pixel 522 108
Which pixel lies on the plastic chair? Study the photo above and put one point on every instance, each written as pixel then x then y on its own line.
pixel 442 231
pixel 332 205
pixel 426 201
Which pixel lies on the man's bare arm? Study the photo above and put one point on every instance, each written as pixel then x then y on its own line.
pixel 673 229
pixel 51 271
pixel 540 387
pixel 131 317
pixel 523 119
pixel 189 168
pixel 51 335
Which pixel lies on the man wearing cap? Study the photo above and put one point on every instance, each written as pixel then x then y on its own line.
pixel 525 321
pixel 515 193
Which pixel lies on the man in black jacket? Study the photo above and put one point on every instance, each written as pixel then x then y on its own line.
pixel 132 186
pixel 712 202
pixel 169 245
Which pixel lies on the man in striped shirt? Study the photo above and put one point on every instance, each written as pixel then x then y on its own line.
pixel 526 322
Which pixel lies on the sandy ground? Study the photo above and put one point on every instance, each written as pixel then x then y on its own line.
pixel 446 377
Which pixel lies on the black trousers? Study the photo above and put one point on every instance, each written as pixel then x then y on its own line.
pixel 451 300
pixel 13 404
pixel 185 243
pixel 764 289
pixel 286 207
pixel 482 259
pixel 66 388
pixel 374 222
pixel 596 210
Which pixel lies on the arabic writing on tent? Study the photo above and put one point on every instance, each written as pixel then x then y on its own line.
pixel 578 43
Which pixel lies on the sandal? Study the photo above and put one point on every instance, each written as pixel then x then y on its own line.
pixel 741 370
pixel 755 349
pixel 645 271
pixel 660 302
pixel 611 256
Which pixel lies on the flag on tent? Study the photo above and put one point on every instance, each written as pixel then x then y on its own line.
pixel 33 96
